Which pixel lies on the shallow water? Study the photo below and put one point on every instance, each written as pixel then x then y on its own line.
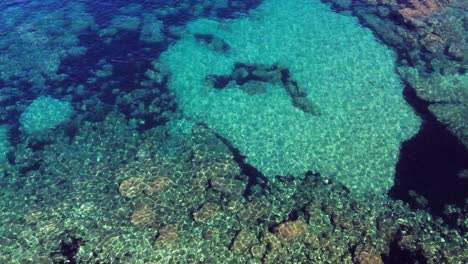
pixel 232 132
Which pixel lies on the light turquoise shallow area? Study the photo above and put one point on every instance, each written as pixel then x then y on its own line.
pixel 341 66
pixel 4 145
pixel 45 113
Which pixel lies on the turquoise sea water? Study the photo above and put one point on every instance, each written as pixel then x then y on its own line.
pixel 299 131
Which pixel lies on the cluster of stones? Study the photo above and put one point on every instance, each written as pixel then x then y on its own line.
pixel 263 227
pixel 154 206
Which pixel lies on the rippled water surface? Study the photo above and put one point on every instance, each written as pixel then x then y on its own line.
pixel 228 131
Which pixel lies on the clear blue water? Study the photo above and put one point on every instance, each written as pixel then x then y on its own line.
pixel 224 131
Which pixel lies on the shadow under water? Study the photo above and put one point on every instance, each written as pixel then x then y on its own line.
pixel 430 163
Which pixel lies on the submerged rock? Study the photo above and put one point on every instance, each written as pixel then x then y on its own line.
pixel 291 230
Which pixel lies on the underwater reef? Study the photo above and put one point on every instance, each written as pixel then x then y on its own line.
pixel 228 131
pixel 183 195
